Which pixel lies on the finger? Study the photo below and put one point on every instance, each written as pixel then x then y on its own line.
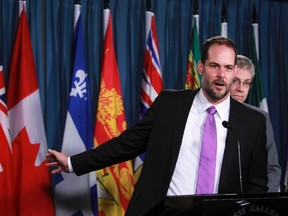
pixel 50 157
pixel 52 164
pixel 51 151
pixel 56 171
pixel 49 154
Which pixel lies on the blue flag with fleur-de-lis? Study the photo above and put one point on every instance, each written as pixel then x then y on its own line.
pixel 77 195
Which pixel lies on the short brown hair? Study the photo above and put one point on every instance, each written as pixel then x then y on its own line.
pixel 216 40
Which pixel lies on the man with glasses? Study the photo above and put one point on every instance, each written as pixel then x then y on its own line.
pixel 239 90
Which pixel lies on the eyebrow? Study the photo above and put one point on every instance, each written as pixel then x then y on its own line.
pixel 228 65
pixel 244 80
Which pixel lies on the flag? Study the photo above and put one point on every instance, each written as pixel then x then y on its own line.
pixel 256 95
pixel 152 83
pixel 7 197
pixel 77 195
pixel 29 146
pixel 192 75
pixel 115 183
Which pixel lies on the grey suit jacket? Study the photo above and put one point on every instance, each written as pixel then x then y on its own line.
pixel 159 134
pixel 274 169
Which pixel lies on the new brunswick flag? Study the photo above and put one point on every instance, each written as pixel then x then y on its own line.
pixel 115 183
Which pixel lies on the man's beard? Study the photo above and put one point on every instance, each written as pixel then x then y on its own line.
pixel 213 95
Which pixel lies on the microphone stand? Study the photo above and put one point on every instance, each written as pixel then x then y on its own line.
pixel 228 126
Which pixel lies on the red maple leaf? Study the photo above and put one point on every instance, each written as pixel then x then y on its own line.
pixel 33 186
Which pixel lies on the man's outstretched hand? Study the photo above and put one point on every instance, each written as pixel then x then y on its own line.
pixel 57 160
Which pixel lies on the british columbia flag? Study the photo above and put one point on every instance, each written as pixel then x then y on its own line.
pixel 152 82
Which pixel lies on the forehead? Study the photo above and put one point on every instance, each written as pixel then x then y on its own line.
pixel 221 54
pixel 243 74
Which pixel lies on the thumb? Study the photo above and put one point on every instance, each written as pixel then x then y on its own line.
pixel 51 151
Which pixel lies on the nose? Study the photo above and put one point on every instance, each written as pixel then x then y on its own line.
pixel 240 87
pixel 221 72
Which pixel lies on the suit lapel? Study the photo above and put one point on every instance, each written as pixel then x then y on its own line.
pixel 183 110
pixel 230 165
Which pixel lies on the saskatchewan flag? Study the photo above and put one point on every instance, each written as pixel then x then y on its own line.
pixel 256 95
pixel 192 77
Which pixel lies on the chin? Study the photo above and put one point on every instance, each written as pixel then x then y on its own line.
pixel 240 99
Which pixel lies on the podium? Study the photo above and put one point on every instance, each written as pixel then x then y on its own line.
pixel 268 204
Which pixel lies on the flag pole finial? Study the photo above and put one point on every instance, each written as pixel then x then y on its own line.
pixel 224 13
pixel 148 5
pixel 106 4
pixel 196 7
pixel 254 14
pixel 77 2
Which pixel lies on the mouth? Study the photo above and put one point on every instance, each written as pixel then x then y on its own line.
pixel 220 85
pixel 238 97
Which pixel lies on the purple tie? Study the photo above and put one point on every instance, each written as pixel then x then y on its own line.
pixel 207 164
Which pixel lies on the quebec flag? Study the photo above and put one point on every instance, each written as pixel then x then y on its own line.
pixel 77 195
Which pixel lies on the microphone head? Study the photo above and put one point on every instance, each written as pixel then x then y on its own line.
pixel 226 124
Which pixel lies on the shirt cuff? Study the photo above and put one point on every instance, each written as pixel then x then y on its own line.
pixel 70 165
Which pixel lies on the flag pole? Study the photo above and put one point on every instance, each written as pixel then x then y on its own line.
pixel 196 14
pixel 224 24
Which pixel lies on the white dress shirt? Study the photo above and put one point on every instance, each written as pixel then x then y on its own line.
pixel 70 165
pixel 184 179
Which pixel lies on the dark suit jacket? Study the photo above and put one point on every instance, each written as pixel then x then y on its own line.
pixel 160 133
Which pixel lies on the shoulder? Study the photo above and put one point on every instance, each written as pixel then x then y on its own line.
pixel 247 111
pixel 172 98
pixel 257 109
pixel 177 94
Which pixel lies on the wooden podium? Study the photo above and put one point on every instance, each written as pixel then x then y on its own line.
pixel 268 204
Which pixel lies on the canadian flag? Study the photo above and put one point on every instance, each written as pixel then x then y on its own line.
pixel 29 146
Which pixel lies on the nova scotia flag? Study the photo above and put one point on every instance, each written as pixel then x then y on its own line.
pixel 77 195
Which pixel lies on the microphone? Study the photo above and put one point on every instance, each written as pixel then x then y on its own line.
pixel 229 127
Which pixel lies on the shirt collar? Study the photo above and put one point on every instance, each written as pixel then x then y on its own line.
pixel 202 104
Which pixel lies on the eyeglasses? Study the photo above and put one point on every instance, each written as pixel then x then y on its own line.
pixel 246 84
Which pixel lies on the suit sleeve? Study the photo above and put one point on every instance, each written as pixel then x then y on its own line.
pixel 274 169
pixel 128 145
pixel 256 166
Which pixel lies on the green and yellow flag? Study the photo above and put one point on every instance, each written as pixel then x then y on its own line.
pixel 192 76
